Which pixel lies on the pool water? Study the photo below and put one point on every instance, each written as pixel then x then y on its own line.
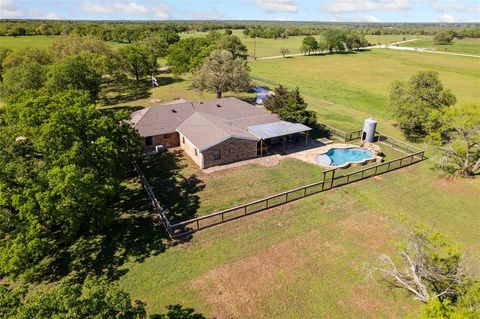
pixel 340 156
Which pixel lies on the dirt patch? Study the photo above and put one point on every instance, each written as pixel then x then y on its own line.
pixel 369 229
pixel 241 289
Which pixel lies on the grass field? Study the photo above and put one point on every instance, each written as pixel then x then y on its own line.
pixel 346 88
pixel 37 41
pixel 307 259
pixel 467 46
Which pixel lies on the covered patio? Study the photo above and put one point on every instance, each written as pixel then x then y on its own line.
pixel 279 133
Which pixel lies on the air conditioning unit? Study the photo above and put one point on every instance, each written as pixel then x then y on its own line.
pixel 160 149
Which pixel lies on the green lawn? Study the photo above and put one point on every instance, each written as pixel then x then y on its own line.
pixel 467 46
pixel 306 259
pixel 34 41
pixel 346 88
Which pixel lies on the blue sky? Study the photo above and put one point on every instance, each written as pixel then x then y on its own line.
pixel 292 10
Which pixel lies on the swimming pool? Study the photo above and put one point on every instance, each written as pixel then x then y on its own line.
pixel 343 156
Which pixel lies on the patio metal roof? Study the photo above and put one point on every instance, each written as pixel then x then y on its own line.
pixel 277 129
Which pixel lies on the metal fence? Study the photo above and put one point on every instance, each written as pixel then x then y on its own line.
pixel 330 180
pixel 350 136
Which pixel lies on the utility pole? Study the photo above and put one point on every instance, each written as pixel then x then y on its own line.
pixel 255 47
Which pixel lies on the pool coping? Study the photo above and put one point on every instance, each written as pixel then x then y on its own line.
pixel 350 163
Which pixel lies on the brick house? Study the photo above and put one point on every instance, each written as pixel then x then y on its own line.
pixel 212 132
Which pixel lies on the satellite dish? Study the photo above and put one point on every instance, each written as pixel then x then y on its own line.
pixel 259 101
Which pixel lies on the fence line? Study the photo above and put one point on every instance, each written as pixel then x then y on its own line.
pixel 195 224
pixel 156 205
pixel 330 181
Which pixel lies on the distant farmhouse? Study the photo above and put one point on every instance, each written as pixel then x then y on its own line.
pixel 213 132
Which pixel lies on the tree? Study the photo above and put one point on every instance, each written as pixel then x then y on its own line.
pixel 232 44
pixel 187 54
pixel 284 51
pixel 25 56
pixel 94 298
pixel 135 60
pixel 433 272
pixel 309 44
pixel 155 47
pixel 290 106
pixel 334 40
pixel 28 76
pixel 419 103
pixel 443 38
pixel 61 165
pixel 462 130
pixel 4 52
pixel 76 72
pixel 221 72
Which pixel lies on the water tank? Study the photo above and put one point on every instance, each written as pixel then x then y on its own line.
pixel 369 128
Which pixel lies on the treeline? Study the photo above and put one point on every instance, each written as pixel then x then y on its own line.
pixel 127 31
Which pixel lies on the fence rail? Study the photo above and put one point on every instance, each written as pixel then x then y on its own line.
pixel 190 226
pixel 330 181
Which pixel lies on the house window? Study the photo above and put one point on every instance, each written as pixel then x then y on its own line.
pixel 166 136
pixel 196 152
pixel 183 140
pixel 216 155
pixel 149 140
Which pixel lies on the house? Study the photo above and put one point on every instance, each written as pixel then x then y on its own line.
pixel 212 132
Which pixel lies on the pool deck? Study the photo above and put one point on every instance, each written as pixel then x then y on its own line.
pixel 308 155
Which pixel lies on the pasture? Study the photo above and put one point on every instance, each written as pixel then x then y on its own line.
pixel 307 259
pixel 347 88
pixel 467 46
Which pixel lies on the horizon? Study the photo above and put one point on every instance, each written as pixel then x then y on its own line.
pixel 326 11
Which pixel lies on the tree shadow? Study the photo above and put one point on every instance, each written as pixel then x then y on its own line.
pixel 176 192
pixel 179 312
pixel 134 235
pixel 123 91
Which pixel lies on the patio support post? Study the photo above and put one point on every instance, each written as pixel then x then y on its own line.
pixel 306 138
pixel 261 148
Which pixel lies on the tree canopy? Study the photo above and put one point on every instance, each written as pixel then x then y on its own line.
pixel 309 45
pixel 290 106
pixel 222 72
pixel 94 298
pixel 419 103
pixel 61 164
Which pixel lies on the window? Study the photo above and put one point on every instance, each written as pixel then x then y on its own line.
pixel 166 135
pixel 216 155
pixel 149 140
pixel 196 152
pixel 183 140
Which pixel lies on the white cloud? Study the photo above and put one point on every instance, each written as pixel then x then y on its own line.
pixel 92 7
pixel 278 5
pixel 8 10
pixel 163 12
pixel 446 18
pixel 205 15
pixel 350 6
pixel 130 7
pixel 442 6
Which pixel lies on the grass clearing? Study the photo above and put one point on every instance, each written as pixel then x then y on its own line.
pixel 35 41
pixel 467 46
pixel 306 259
pixel 347 88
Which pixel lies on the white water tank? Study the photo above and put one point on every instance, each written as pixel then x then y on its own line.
pixel 369 128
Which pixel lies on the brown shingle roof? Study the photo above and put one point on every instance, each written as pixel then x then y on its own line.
pixel 204 123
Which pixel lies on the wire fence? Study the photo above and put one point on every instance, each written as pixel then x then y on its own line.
pixel 331 180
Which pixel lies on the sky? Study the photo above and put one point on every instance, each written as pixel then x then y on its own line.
pixel 283 10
